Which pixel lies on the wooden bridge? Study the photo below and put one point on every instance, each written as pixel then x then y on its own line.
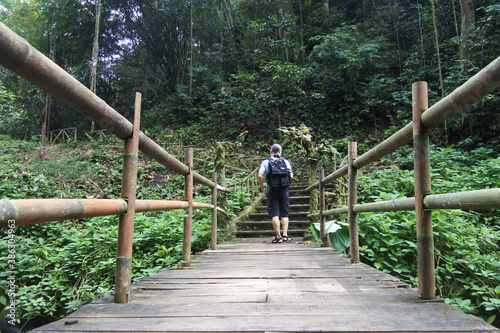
pixel 253 285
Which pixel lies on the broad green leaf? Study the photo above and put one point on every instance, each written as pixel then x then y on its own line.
pixel 338 233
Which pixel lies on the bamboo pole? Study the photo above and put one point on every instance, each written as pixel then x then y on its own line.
pixel 123 274
pixel 480 199
pixel 473 200
pixel 352 200
pixel 425 238
pixel 188 196
pixel 213 238
pixel 34 211
pixel 386 206
pixel 335 211
pixel 23 59
pixel 142 206
pixel 322 230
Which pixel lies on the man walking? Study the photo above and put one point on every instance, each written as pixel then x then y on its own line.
pixel 279 174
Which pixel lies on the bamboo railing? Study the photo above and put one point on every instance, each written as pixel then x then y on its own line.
pixel 248 184
pixel 21 58
pixel 65 134
pixel 484 82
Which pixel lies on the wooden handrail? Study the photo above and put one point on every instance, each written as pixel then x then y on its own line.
pixel 244 179
pixel 473 200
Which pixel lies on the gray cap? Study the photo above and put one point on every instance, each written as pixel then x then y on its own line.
pixel 276 148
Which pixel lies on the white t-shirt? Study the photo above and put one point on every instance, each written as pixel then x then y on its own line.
pixel 264 166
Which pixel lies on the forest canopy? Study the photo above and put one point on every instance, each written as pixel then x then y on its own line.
pixel 342 68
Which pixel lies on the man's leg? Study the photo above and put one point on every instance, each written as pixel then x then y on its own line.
pixel 276 226
pixel 273 212
pixel 284 225
pixel 284 203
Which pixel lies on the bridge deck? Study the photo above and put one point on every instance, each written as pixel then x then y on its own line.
pixel 253 286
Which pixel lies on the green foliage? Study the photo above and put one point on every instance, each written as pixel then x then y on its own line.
pixel 338 233
pixel 467 251
pixel 345 70
pixel 344 63
pixel 10 116
pixel 61 266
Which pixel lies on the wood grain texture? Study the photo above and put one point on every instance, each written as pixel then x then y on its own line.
pixel 251 285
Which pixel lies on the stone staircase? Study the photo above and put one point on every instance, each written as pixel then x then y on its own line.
pixel 259 225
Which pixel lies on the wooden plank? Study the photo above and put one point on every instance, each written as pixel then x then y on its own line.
pixel 267 322
pixel 251 286
pixel 112 310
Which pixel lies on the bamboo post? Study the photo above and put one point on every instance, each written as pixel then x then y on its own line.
pixel 351 201
pixel 188 195
pixel 213 240
pixel 123 274
pixel 425 240
pixel 220 168
pixel 312 167
pixel 321 199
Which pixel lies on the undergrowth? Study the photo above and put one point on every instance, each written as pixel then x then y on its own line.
pixel 61 266
pixel 467 243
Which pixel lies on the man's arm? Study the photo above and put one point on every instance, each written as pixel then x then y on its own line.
pixel 289 168
pixel 261 183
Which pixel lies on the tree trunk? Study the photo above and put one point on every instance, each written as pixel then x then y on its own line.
pixel 396 32
pixel 436 40
pixel 468 20
pixel 229 14
pixel 95 53
pixel 421 35
pixel 46 118
pixel 191 51
pixel 436 36
pixel 326 6
pixel 302 53
pixel 51 53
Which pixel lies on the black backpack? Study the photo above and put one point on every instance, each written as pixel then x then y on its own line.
pixel 278 175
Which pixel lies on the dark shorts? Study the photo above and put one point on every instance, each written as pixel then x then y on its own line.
pixel 278 203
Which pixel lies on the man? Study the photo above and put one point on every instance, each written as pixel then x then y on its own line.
pixel 278 204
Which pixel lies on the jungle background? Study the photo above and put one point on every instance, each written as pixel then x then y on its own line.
pixel 210 70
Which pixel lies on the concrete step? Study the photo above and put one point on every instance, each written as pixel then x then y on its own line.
pixel 294 200
pixel 296 234
pixel 264 217
pixel 259 224
pixel 293 208
pixel 267 225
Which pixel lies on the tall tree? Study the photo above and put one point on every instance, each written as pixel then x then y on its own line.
pixel 95 53
pixel 436 43
pixel 468 18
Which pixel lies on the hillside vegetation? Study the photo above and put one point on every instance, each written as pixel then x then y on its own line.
pixel 467 243
pixel 63 265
